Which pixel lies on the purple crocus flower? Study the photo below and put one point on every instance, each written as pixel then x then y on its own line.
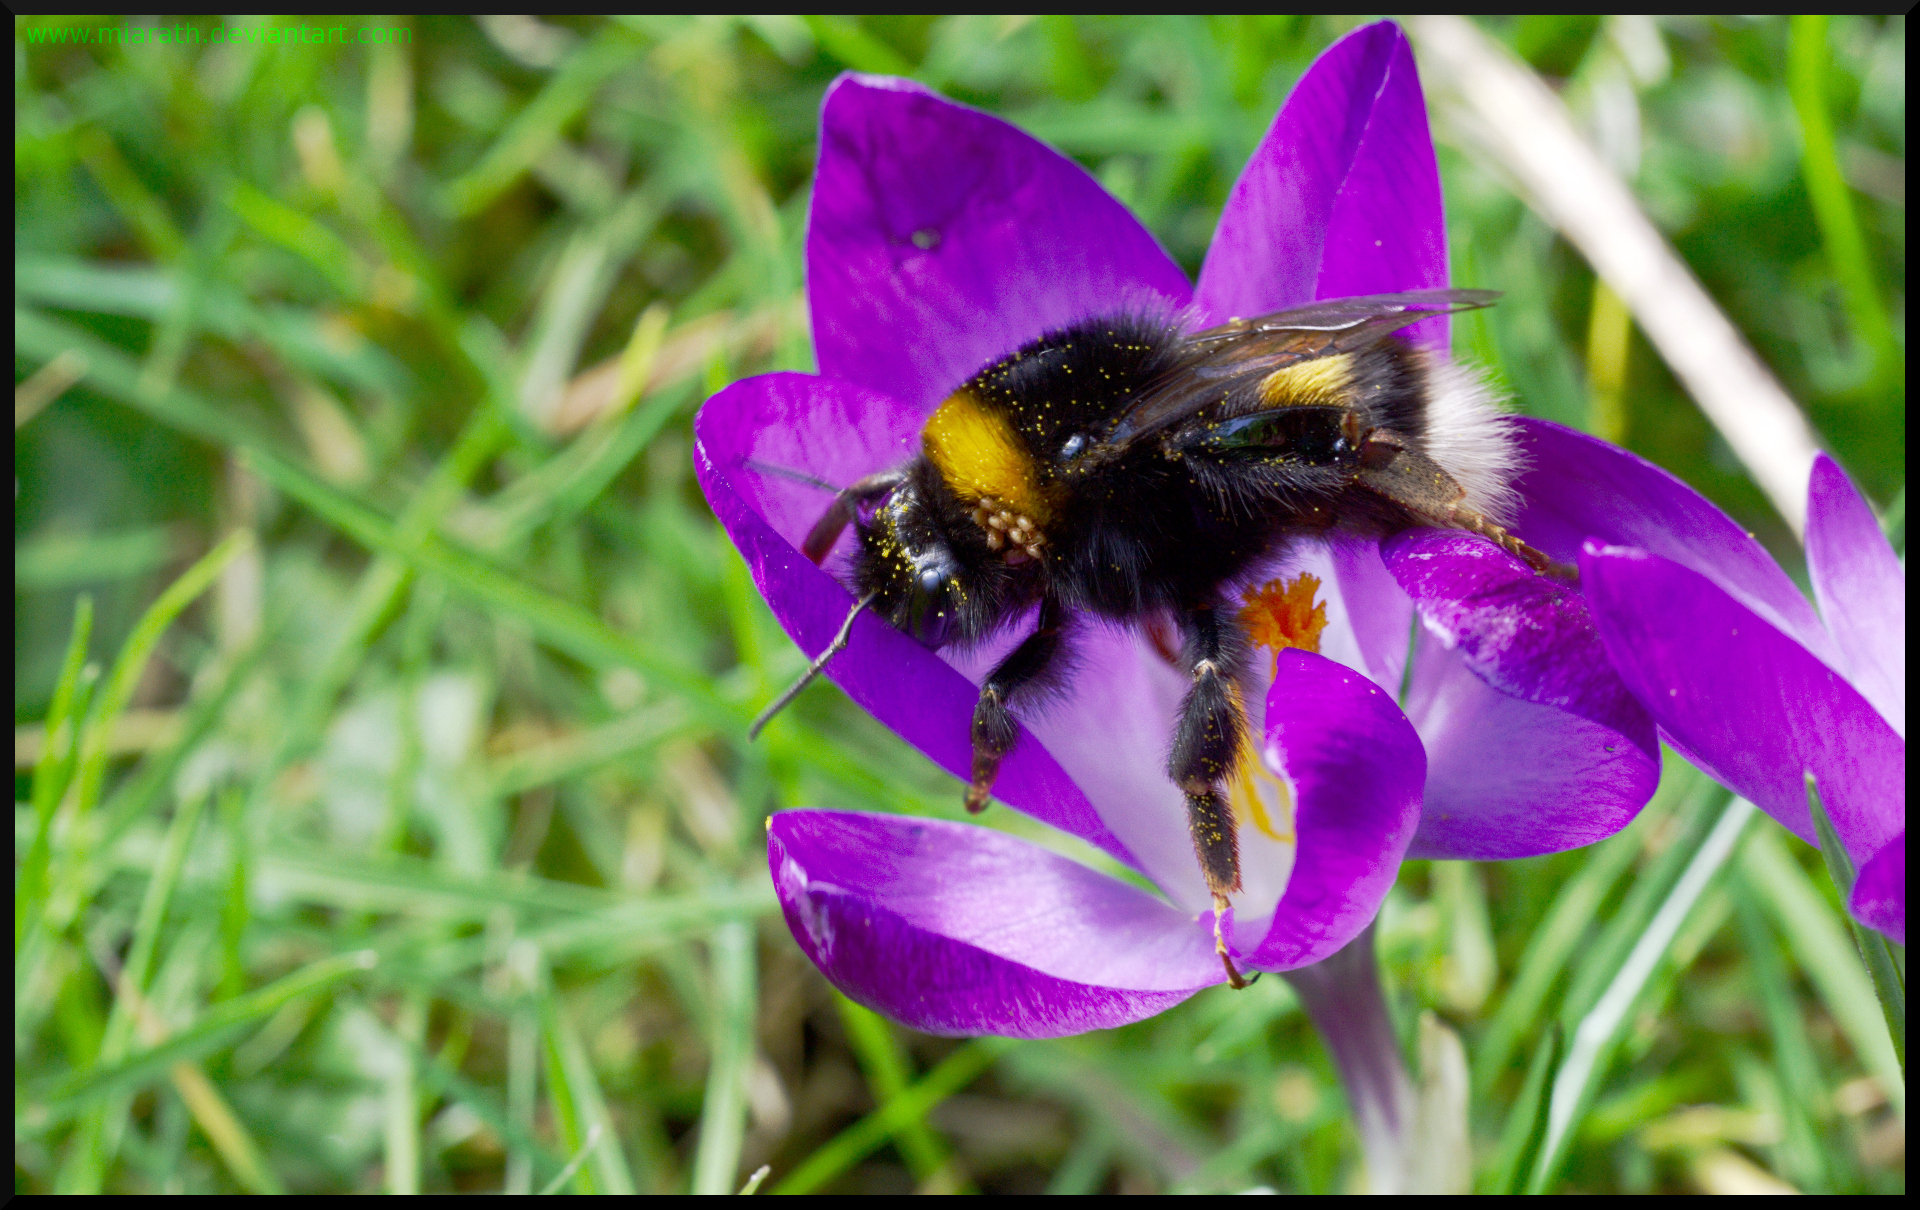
pixel 1750 684
pixel 939 239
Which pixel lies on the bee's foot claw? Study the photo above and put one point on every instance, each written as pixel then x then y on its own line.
pixel 1235 979
pixel 977 798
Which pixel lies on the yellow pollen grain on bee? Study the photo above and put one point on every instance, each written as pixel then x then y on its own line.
pixel 1283 613
pixel 1322 382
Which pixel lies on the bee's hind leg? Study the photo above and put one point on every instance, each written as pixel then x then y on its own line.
pixel 994 727
pixel 1206 744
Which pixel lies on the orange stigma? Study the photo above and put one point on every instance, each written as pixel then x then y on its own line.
pixel 1282 613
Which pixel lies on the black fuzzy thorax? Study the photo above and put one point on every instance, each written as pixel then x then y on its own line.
pixel 1163 526
pixel 1150 532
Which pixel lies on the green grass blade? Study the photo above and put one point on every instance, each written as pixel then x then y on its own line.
pixel 1888 985
pixel 884 1064
pixel 1820 946
pixel 579 1107
pixel 115 374
pixel 58 560
pixel 137 967
pixel 1793 1055
pixel 723 1113
pixel 595 1136
pixel 1526 1124
pixel 485 1104
pixel 570 482
pixel 94 1147
pixel 51 774
pixel 564 625
pixel 1807 57
pixel 1085 1165
pixel 401 1164
pixel 69 890
pixel 1597 1033
pixel 144 213
pixel 223 1129
pixel 117 690
pixel 215 1026
pixel 134 797
pixel 300 233
pixel 376 594
pixel 1553 943
pixel 537 127
pixel 579 754
pixel 842 38
pixel 1697 807
pixel 859 1140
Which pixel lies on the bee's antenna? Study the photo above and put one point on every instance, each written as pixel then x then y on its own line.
pixel 787 472
pixel 814 669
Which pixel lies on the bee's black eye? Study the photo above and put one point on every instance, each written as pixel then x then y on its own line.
pixel 931 612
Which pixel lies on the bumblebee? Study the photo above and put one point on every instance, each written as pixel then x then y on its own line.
pixel 1125 468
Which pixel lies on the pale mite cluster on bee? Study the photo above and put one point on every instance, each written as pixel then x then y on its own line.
pixel 1005 528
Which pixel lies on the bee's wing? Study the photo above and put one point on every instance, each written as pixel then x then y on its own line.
pixel 1214 363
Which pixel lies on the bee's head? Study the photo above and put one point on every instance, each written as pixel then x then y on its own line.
pixel 908 563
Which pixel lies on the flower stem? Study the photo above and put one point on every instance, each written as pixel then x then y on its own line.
pixel 1343 998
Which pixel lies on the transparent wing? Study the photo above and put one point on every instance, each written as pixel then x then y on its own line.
pixel 1217 362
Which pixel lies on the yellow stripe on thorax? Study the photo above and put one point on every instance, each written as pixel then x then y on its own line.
pixel 980 456
pixel 1322 382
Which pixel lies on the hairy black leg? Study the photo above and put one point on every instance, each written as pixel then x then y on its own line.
pixel 1206 743
pixel 994 728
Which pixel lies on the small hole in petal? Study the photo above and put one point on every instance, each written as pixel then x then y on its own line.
pixel 926 239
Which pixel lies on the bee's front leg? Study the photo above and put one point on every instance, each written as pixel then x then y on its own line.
pixel 994 727
pixel 1206 744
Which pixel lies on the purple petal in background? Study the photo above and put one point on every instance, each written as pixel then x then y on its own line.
pixel 1746 701
pixel 1521 632
pixel 1342 196
pixel 941 238
pixel 1879 898
pixel 959 930
pixel 1356 768
pixel 1862 590
pixel 840 432
pixel 1508 778
pixel 1578 487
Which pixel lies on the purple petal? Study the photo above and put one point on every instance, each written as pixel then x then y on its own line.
pixel 958 930
pixel 1109 727
pixel 1508 778
pixel 1342 196
pixel 1379 612
pixel 1879 898
pixel 1519 631
pixel 1753 706
pixel 1578 487
pixel 1862 589
pixel 839 432
pixel 941 238
pixel 1355 769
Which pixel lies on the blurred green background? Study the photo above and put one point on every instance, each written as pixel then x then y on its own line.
pixel 411 841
